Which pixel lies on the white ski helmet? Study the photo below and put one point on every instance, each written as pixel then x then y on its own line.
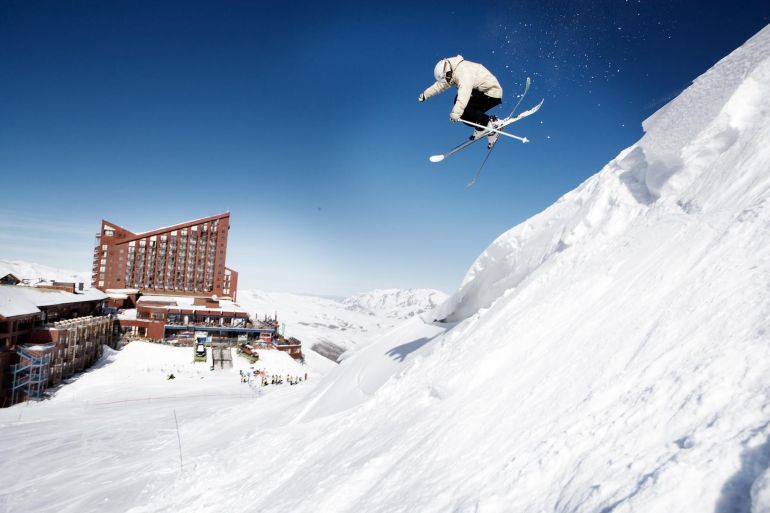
pixel 439 72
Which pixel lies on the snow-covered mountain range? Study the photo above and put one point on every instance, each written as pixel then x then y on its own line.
pixel 610 354
pixel 395 303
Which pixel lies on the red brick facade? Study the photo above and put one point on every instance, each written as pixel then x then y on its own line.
pixel 184 259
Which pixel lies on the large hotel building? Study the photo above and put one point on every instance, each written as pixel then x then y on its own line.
pixel 184 259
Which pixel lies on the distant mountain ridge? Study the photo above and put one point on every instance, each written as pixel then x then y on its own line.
pixel 332 327
pixel 396 303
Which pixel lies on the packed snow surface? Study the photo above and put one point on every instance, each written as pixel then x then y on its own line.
pixel 111 433
pixel 611 354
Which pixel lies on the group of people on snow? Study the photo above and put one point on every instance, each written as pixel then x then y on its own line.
pixel 273 379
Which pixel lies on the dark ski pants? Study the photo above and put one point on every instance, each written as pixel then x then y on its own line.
pixel 478 105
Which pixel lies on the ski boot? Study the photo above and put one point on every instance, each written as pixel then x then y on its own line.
pixel 492 136
pixel 479 132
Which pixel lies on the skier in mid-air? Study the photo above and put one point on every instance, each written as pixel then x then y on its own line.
pixel 477 91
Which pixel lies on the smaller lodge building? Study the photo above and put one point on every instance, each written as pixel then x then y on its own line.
pixel 48 334
pixel 163 318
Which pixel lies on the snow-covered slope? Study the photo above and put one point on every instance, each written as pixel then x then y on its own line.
pixel 396 303
pixel 609 355
pixel 39 272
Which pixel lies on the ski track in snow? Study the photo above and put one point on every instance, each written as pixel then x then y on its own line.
pixel 608 355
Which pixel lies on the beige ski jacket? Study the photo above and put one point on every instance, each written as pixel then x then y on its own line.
pixel 466 76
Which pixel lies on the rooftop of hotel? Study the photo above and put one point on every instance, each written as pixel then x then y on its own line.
pixel 16 300
pixel 187 303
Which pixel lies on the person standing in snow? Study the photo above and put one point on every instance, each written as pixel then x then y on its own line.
pixel 477 91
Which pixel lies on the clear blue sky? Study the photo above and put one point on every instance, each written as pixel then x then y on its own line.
pixel 302 120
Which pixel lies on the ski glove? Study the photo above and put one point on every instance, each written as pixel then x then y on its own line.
pixel 421 98
pixel 454 117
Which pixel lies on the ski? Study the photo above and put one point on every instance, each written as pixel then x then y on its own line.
pixel 489 151
pixel 527 113
pixel 478 172
pixel 439 158
pixel 523 114
pixel 526 88
pixel 497 131
pixel 507 121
